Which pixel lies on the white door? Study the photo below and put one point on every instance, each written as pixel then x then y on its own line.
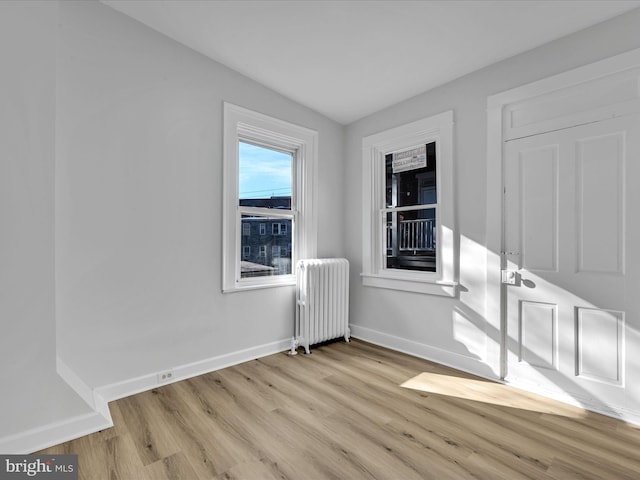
pixel 567 222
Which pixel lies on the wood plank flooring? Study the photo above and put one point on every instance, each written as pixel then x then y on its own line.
pixel 352 411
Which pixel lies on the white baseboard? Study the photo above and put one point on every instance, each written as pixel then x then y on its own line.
pixel 89 395
pixel 143 383
pixel 476 367
pixel 69 429
pixel 46 436
pixel 428 352
pixel 588 403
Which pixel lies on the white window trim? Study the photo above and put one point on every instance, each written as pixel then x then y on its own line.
pixel 374 149
pixel 243 124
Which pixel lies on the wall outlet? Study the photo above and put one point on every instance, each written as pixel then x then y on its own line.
pixel 166 376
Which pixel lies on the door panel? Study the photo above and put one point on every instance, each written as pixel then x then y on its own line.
pixel 565 221
pixel 538 338
pixel 600 193
pixel 600 344
pixel 539 208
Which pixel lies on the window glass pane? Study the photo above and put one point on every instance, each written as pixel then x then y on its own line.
pixel 411 240
pixel 410 177
pixel 268 254
pixel 265 177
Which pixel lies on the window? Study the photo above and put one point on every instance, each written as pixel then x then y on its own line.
pixel 279 229
pixel 246 251
pixel 408 205
pixel 411 209
pixel 269 172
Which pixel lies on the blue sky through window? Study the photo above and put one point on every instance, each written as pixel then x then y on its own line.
pixel 263 172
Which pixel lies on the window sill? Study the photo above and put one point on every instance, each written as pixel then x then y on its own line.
pixel 289 281
pixel 428 287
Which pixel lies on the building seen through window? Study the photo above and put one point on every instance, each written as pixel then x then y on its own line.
pixel 411 209
pixel 267 222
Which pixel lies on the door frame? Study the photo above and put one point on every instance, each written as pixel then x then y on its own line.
pixel 500 127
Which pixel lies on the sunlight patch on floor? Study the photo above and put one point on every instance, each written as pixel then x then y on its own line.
pixel 489 392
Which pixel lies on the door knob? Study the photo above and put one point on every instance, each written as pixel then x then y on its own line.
pixel 510 277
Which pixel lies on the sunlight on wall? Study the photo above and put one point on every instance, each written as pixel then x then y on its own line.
pixel 470 334
pixel 469 324
pixel 473 274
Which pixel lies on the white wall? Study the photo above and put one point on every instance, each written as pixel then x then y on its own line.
pixel 110 206
pixel 457 331
pixel 139 197
pixel 32 395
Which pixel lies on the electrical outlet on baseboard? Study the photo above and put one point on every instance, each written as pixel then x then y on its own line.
pixel 166 376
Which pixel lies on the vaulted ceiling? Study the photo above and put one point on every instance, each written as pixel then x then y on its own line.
pixel 348 59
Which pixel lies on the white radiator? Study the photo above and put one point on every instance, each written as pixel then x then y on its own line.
pixel 322 301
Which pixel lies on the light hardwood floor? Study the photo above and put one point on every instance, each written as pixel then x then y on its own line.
pixel 352 411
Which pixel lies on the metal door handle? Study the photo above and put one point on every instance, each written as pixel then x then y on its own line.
pixel 510 277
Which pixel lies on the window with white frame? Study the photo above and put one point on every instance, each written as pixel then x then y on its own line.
pixel 246 251
pixel 408 229
pixel 279 228
pixel 269 175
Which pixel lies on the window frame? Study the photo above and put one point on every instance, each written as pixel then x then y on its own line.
pixel 241 124
pixel 438 128
pixel 278 229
